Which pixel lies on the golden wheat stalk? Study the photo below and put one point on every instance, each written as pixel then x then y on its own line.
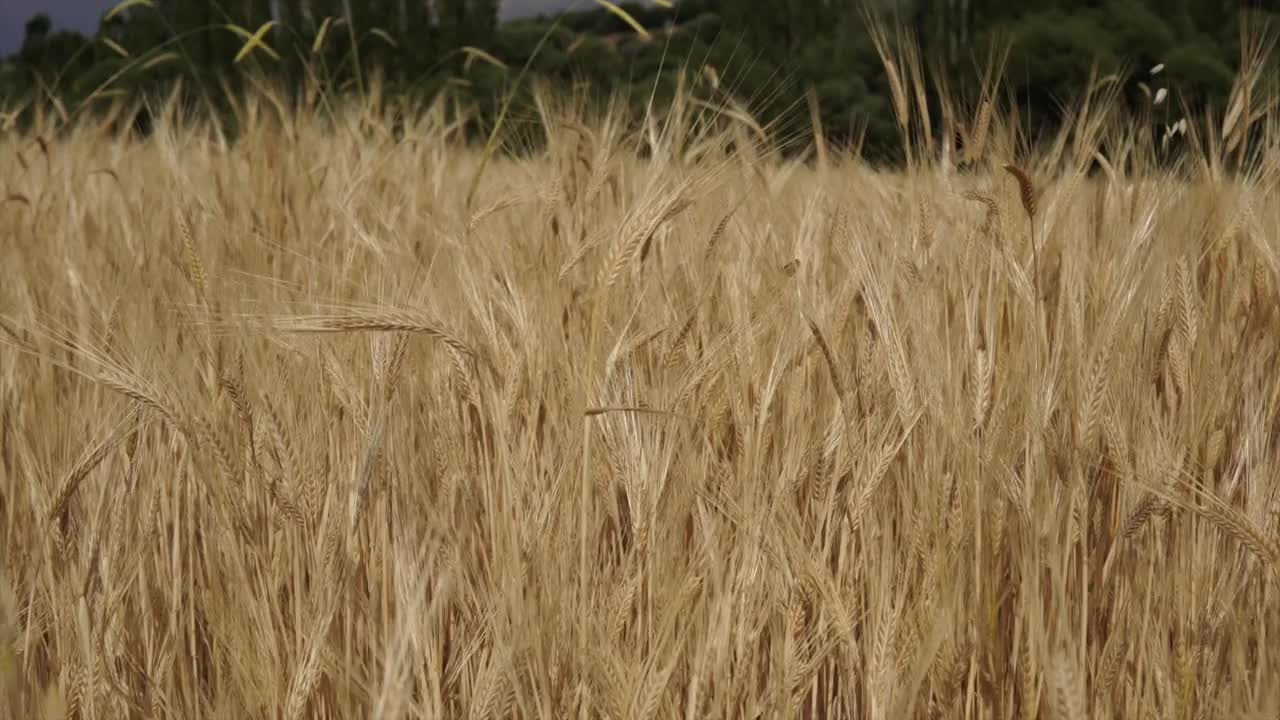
pixel 1030 204
pixel 382 320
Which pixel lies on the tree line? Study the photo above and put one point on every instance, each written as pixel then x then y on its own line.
pixel 769 55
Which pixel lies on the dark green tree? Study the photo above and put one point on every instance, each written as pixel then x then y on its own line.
pixel 466 22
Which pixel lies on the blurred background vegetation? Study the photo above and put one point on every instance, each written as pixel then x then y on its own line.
pixel 769 54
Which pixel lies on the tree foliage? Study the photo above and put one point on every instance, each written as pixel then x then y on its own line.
pixel 767 55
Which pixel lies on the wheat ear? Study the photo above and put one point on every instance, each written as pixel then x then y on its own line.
pixel 1030 203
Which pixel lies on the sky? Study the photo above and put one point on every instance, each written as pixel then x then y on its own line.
pixel 83 15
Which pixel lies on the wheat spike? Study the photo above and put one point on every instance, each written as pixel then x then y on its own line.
pixel 1026 190
pixel 983 371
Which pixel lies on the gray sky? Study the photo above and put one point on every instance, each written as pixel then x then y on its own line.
pixel 83 15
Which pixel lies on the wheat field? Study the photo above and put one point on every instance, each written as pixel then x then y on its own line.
pixel 655 423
